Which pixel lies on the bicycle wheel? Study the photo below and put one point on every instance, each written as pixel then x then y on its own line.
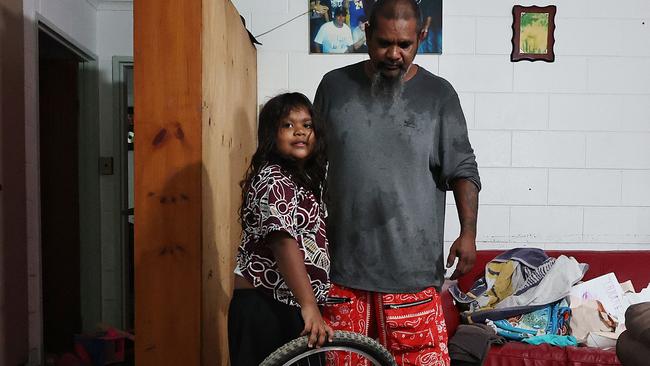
pixel 296 352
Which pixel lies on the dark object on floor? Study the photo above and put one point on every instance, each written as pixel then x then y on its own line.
pixel 102 348
pixel 633 345
pixel 69 359
pixel 470 344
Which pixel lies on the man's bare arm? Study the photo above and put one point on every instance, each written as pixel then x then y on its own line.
pixel 464 247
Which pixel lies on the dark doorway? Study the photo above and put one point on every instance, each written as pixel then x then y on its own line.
pixel 130 217
pixel 59 169
pixel 127 143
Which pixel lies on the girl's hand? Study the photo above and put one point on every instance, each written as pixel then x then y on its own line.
pixel 291 264
pixel 315 326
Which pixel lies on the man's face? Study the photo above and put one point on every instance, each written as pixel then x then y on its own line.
pixel 340 18
pixel 392 46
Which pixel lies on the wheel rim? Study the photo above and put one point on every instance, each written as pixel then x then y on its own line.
pixel 332 348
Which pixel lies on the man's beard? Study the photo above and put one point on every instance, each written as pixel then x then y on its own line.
pixel 385 87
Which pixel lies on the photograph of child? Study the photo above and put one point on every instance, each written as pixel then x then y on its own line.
pixel 338 26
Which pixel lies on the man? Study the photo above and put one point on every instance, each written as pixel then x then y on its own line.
pixel 397 140
pixel 318 15
pixel 359 36
pixel 355 9
pixel 334 36
pixel 431 11
pixel 336 4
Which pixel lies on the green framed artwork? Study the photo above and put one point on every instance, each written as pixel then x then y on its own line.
pixel 533 29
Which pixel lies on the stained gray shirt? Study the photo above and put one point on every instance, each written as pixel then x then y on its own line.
pixel 390 162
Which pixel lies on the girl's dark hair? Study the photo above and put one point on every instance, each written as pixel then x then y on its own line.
pixel 311 175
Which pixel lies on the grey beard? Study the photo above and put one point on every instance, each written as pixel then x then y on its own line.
pixel 384 87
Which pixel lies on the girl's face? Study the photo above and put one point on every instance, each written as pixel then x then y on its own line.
pixel 295 138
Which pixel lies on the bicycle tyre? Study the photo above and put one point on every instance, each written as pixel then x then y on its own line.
pixel 297 350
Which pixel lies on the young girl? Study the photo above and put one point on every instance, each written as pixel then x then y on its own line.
pixel 282 272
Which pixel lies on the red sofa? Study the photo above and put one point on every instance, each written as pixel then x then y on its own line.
pixel 628 265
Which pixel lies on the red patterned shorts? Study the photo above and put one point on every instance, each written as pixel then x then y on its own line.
pixel 410 326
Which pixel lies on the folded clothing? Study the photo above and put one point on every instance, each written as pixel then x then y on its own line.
pixel 551 319
pixel 516 282
pixel 553 339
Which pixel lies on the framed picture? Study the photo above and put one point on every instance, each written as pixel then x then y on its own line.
pixel 338 26
pixel 533 30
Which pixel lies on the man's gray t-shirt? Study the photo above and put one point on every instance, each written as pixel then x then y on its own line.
pixel 390 162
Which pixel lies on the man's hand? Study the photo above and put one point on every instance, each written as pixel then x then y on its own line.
pixel 315 327
pixel 465 249
pixel 321 9
pixel 425 29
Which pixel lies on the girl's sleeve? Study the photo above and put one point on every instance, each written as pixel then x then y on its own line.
pixel 276 203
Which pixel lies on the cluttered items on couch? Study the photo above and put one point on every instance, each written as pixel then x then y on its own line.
pixel 598 308
pixel 528 296
pixel 628 265
pixel 521 295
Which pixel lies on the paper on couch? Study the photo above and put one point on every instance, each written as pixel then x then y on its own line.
pixel 605 289
pixel 602 340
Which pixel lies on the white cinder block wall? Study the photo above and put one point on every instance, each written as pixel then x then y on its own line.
pixel 563 148
pixel 114 38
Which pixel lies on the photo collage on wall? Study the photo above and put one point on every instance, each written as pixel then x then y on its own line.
pixel 338 26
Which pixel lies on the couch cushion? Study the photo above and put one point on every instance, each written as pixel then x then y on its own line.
pixel 521 354
pixel 517 354
pixel 627 264
pixel 584 356
pixel 452 317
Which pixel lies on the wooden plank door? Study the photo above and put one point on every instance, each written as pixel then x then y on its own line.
pixel 195 103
